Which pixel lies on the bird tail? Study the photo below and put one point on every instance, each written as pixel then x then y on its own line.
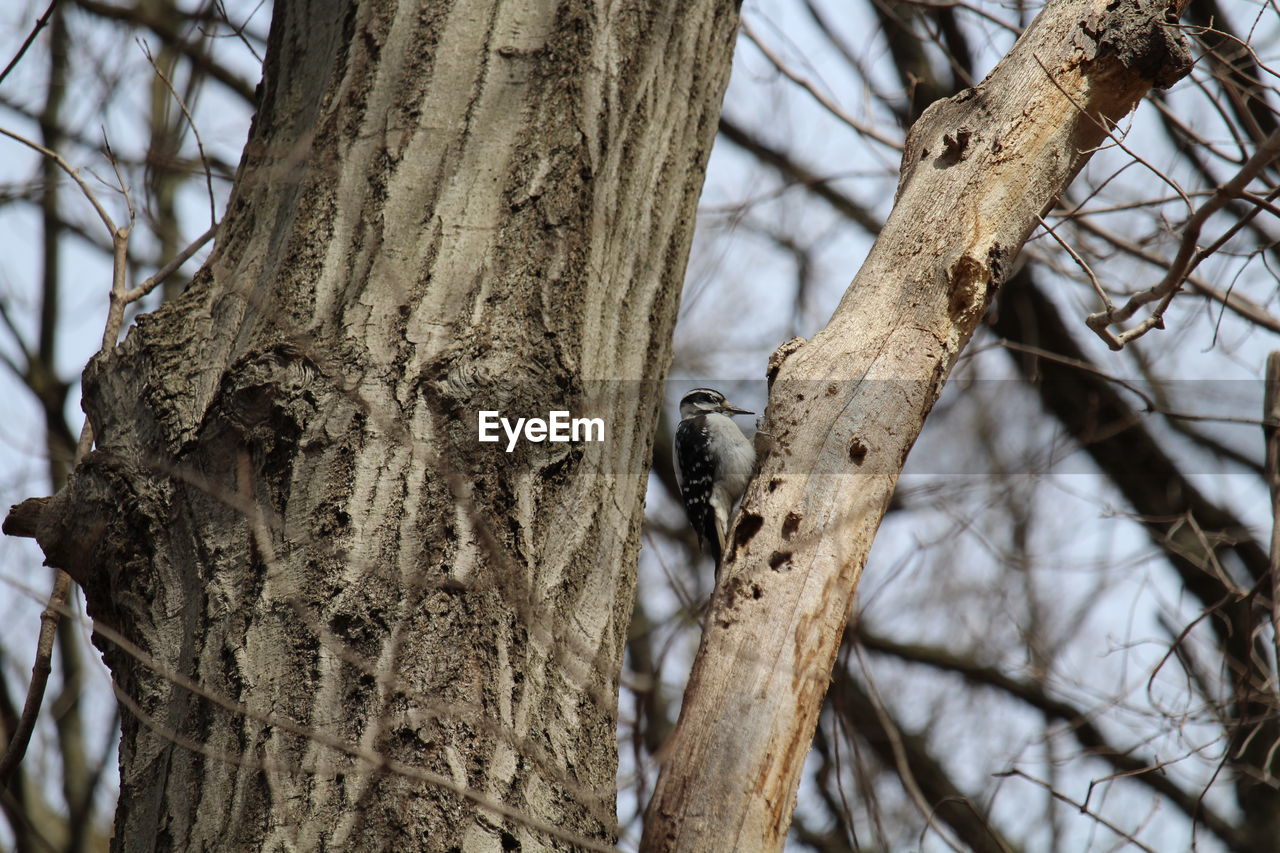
pixel 715 545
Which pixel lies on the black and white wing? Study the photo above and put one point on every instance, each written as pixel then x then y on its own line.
pixel 696 475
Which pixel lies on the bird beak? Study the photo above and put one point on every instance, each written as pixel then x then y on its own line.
pixel 735 410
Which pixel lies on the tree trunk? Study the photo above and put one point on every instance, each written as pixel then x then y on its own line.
pixel 335 620
pixel 846 407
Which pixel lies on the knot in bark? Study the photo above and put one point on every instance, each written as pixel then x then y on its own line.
pixel 1143 36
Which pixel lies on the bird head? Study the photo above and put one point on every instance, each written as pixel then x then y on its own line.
pixel 701 401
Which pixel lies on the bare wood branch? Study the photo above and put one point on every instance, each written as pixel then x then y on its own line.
pixel 195 131
pixel 1082 807
pixel 17 747
pixel 158 278
pixel 70 170
pixel 846 407
pixel 1244 307
pixel 1187 257
pixel 868 130
pixel 1271 430
pixel 40 24
pixel 1078 722
pixel 25 518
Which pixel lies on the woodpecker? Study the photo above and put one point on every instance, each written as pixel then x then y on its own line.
pixel 714 461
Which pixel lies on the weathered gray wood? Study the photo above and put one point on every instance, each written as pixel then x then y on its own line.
pixel 846 406
pixel 398 638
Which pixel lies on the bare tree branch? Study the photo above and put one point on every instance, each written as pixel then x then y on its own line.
pixel 1271 433
pixel 21 737
pixel 194 52
pixel 840 408
pixel 1079 723
pixel 909 754
pixel 1188 256
pixel 40 24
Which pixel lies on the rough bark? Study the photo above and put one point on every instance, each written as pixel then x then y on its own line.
pixel 846 407
pixel 335 620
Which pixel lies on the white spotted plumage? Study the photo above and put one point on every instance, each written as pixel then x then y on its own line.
pixel 714 462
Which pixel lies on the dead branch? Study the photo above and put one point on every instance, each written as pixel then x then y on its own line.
pixel 1271 431
pixel 40 24
pixel 1188 256
pixel 846 407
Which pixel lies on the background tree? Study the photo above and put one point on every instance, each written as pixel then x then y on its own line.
pixel 327 609
pixel 1025 635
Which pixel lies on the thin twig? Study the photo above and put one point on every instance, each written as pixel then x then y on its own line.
pixel 1082 807
pixel 1188 256
pixel 66 167
pixel 1107 129
pixel 1149 402
pixel 1271 430
pixel 238 29
pixel 1093 279
pixel 195 131
pixel 19 341
pixel 1246 308
pixel 829 105
pixel 41 23
pixel 902 765
pixel 969 7
pixel 17 747
pixel 156 279
pixel 40 670
pixel 1079 211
